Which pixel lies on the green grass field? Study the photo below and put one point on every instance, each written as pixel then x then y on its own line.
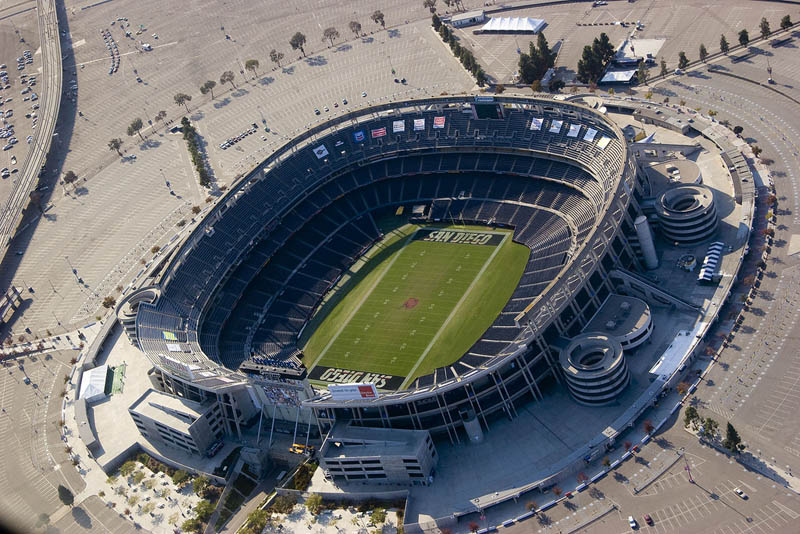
pixel 410 306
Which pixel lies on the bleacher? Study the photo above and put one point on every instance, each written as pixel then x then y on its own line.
pixel 247 280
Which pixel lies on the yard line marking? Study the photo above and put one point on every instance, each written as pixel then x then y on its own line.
pixel 366 295
pixel 453 312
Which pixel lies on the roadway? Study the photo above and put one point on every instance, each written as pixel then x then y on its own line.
pixel 50 103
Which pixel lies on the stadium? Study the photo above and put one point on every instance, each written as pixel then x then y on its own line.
pixel 439 249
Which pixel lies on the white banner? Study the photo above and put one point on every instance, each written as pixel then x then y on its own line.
pixel 320 151
pixel 398 126
pixel 590 133
pixel 536 123
pixel 419 124
pixel 573 130
pixel 555 126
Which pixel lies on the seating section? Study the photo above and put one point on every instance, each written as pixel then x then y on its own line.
pixel 242 287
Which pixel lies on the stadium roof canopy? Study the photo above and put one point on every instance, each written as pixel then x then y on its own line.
pixel 93 384
pixel 618 76
pixel 514 24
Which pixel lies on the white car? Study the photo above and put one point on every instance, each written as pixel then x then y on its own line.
pixel 742 495
pixel 632 522
pixel 364 94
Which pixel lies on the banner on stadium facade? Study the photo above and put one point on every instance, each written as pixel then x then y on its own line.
pixel 346 392
pixel 320 151
pixel 555 126
pixel 590 133
pixel 398 126
pixel 378 132
pixel 573 130
pixel 536 123
pixel 419 124
pixel 358 136
pixel 438 122
pixel 336 375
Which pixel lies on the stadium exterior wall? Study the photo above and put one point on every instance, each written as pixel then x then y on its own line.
pixel 513 377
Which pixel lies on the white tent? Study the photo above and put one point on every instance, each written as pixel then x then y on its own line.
pixel 514 24
pixel 93 384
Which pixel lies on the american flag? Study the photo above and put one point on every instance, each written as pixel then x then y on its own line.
pixel 379 132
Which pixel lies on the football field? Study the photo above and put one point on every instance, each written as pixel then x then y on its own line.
pixel 424 297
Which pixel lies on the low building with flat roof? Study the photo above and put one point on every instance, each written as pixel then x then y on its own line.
pixel 176 422
pixel 468 19
pixel 378 455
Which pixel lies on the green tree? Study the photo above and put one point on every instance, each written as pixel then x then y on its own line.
pixel 314 503
pixel 764 27
pixel 683 61
pixel 436 22
pixel 429 4
pixel 127 468
pixel 297 41
pixel 110 302
pixel 786 22
pixel 703 53
pixel 355 27
pixel 180 477
pixel 557 84
pixel 115 144
pixel 138 476
pixel 710 427
pixel 203 510
pixel 70 178
pixel 664 70
pixel 182 99
pixel 378 18
pixel 594 59
pixel 744 37
pixel 65 495
pixel 160 116
pixel 192 525
pixel 208 87
pixel 642 73
pixel 135 128
pixel 690 416
pixel 732 440
pixel 378 516
pixel 200 485
pixel 227 77
pixel 723 44
pixel 256 521
pixel 252 65
pixel 330 34
pixel 534 65
pixel 275 56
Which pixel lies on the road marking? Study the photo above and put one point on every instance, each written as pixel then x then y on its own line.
pixel 788 511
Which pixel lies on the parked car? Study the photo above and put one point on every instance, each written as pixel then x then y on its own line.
pixel 742 495
pixel 648 519
pixel 632 522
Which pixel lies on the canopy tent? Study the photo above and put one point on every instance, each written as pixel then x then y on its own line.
pixel 618 76
pixel 514 24
pixel 93 384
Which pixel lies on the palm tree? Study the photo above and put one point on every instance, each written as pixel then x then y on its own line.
pixel 182 99
pixel 297 41
pixel 252 65
pixel 208 87
pixel 330 34
pixel 276 56
pixel 227 77
pixel 377 18
pixel 135 128
pixel 115 144
pixel 355 27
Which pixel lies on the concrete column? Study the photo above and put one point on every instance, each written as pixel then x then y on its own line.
pixel 646 242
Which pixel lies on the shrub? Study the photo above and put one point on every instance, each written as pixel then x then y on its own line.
pixel 303 476
pixel 314 503
pixel 282 504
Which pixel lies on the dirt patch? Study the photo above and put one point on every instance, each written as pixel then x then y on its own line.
pixel 411 303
